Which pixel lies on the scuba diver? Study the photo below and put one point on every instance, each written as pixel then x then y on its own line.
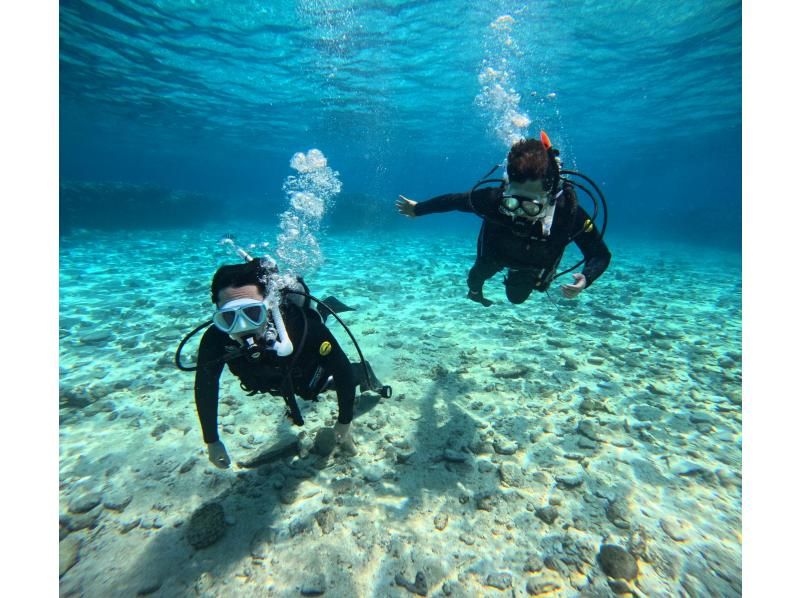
pixel 274 342
pixel 528 221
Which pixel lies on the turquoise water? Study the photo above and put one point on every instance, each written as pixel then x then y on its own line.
pixel 520 438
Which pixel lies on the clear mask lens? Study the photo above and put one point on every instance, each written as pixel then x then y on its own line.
pixel 241 317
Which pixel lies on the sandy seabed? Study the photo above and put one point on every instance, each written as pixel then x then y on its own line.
pixel 518 442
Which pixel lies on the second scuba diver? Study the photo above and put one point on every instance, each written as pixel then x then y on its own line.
pixel 528 221
pixel 276 343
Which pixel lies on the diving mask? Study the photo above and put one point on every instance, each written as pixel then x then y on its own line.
pixel 241 316
pixel 247 322
pixel 519 199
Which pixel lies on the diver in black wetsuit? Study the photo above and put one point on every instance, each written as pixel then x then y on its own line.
pixel 282 348
pixel 527 224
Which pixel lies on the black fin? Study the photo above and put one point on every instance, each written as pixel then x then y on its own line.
pixel 332 304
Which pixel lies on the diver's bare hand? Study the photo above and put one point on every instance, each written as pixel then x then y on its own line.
pixel 218 455
pixel 405 206
pixel 570 291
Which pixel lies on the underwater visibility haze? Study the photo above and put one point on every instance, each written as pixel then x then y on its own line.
pixel 559 447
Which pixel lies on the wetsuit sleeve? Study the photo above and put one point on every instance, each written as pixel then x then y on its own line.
pixel 337 364
pixel 481 202
pixel 592 247
pixel 206 382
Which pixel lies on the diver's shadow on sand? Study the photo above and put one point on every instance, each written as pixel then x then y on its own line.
pixel 171 566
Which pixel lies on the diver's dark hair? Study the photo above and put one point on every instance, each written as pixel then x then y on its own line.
pixel 527 160
pixel 240 275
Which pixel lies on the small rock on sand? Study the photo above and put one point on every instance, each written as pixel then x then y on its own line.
pixel 206 526
pixel 547 514
pixel 68 554
pixel 675 528
pixel 314 586
pixel 85 502
pixel 615 561
pixel 537 587
pixel 325 442
pixel 505 447
pixel 501 581
pixel 440 521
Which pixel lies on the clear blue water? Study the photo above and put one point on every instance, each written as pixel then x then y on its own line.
pixel 621 409
pixel 216 97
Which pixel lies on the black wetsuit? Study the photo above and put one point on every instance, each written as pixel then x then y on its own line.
pixel 520 245
pixel 310 368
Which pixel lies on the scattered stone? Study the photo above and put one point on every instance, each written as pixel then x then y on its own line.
pixel 486 466
pixel 97 337
pixel 467 539
pixel 587 429
pixel 701 418
pixel 188 464
pixel 83 503
pixel 117 501
pixel 84 520
pixel 404 456
pixel 455 456
pixel 373 474
pixel 585 443
pixel 260 542
pixel 675 529
pixel 287 496
pixel 159 431
pixel 326 518
pixel 127 526
pixel 561 343
pixel 485 502
pixel 74 398
pixel 505 447
pixel 638 545
pixel 325 442
pixel 536 587
pixel 647 413
pixel 556 564
pixel 534 563
pixel 420 585
pixel 622 442
pixel 687 468
pixel 591 405
pixel 657 389
pixel 342 485
pixel 511 474
pixel 617 513
pixel 440 521
pixel 272 455
pixel 547 514
pixel 569 480
pixel 68 554
pixel 501 581
pixel 206 526
pixel 299 526
pixel 620 586
pixel 615 561
pixel 149 585
pixel 314 586
pixel 648 473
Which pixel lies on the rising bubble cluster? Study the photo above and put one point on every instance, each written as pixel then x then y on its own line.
pixel 310 193
pixel 497 96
